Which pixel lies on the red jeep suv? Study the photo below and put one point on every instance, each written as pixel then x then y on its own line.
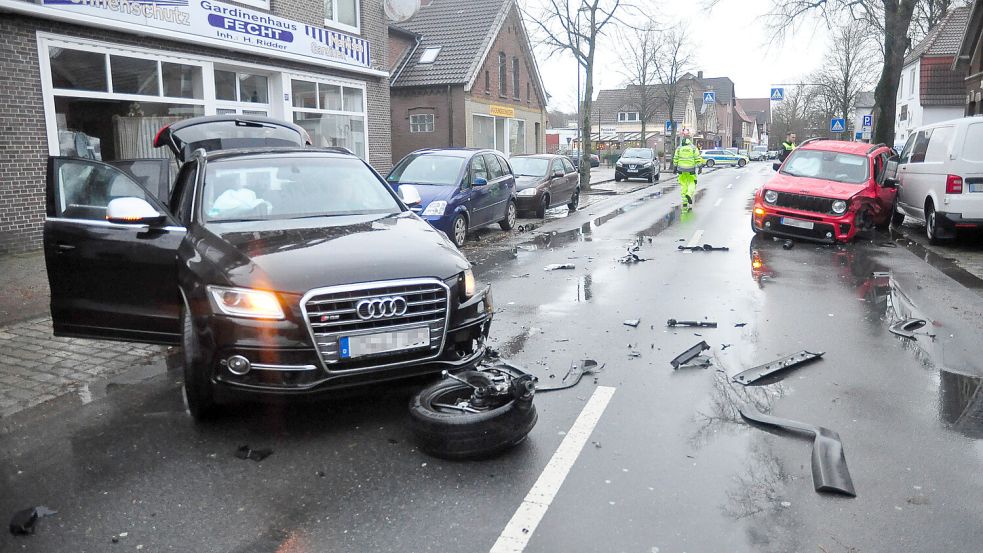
pixel 827 190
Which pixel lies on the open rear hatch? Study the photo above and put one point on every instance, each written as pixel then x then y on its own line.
pixel 225 132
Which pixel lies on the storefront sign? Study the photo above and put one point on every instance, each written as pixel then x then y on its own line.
pixel 501 111
pixel 246 28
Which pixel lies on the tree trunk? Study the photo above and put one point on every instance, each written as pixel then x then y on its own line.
pixel 586 123
pixel 897 19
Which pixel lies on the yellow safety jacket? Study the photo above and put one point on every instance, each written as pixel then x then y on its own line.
pixel 687 158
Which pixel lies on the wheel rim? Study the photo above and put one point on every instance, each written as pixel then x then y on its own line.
pixel 511 214
pixel 930 224
pixel 460 230
pixel 459 400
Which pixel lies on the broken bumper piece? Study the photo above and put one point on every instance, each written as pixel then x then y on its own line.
pixel 689 355
pixel 761 371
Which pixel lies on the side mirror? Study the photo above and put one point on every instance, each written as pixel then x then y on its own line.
pixel 776 166
pixel 890 183
pixel 410 195
pixel 479 181
pixel 133 211
pixel 558 174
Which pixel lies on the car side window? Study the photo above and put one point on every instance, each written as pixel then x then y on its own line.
pixel 920 147
pixel 506 166
pixel 557 165
pixel 478 169
pixel 567 166
pixel 880 163
pixel 495 170
pixel 906 151
pixel 85 188
pixel 937 150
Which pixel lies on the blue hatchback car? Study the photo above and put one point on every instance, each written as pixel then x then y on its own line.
pixel 457 190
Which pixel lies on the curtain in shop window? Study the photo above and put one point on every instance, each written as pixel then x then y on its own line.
pixel 135 136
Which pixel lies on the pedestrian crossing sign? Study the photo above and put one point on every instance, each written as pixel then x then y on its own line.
pixel 709 97
pixel 837 125
pixel 777 94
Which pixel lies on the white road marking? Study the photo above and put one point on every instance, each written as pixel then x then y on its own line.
pixel 515 537
pixel 718 202
pixel 729 186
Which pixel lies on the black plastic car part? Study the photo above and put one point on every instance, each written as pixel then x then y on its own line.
pixel 761 371
pixel 689 355
pixel 829 469
pixel 702 324
pixel 704 248
pixel 907 327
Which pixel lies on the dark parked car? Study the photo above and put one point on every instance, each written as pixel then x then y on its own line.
pixel 574 157
pixel 278 268
pixel 544 181
pixel 637 163
pixel 457 190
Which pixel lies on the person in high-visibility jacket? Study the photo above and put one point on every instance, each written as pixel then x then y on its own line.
pixel 787 147
pixel 687 160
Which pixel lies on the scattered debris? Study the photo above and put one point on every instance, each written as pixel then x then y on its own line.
pixel 907 327
pixel 634 354
pixel 559 266
pixel 524 275
pixel 22 523
pixel 757 373
pixel 577 371
pixel 703 248
pixel 632 323
pixel 887 244
pixel 725 346
pixel 740 325
pixel 829 469
pixel 702 324
pixel 788 245
pixel 880 274
pixel 245 452
pixel 689 355
pixel 631 256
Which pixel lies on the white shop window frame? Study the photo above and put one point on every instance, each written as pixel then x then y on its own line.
pixel 289 109
pixel 334 24
pixel 239 105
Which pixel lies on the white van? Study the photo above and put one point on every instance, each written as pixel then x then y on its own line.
pixel 940 178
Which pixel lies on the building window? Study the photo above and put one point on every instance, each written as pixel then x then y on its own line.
pixel 342 14
pixel 628 117
pixel 502 75
pixel 240 92
pixel 487 83
pixel 515 78
pixel 911 83
pixel 527 92
pixel 422 122
pixel 429 55
pixel 483 131
pixel 332 113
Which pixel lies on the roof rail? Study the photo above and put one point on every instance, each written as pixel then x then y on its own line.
pixel 811 140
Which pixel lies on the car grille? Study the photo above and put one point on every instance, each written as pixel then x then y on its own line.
pixel 331 315
pixel 804 202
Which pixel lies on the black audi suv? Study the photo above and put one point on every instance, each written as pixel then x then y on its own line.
pixel 279 268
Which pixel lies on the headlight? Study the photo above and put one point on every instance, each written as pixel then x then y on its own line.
pixel 527 192
pixel 647 165
pixel 771 196
pixel 618 164
pixel 467 284
pixel 435 208
pixel 839 207
pixel 243 302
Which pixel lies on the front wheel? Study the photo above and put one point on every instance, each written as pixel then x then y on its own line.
pixel 459 230
pixel 508 223
pixel 741 162
pixel 710 163
pixel 897 216
pixel 574 200
pixel 932 225
pixel 199 392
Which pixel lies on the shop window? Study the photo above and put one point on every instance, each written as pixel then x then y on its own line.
pixel 330 97
pixel 517 136
pixel 77 69
pixel 182 81
pixel 134 75
pixel 225 85
pixel 332 114
pixel 421 122
pixel 254 89
pixel 353 99
pixel 304 94
pixel 483 131
pixel 341 13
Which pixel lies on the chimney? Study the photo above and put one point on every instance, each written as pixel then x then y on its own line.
pixel 699 75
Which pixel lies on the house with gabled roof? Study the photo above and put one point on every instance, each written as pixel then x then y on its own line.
pixel 474 85
pixel 616 116
pixel 969 59
pixel 931 88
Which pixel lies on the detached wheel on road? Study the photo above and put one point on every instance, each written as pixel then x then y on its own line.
pixel 459 230
pixel 574 200
pixel 543 206
pixel 508 223
pixel 711 163
pixel 448 423
pixel 741 162
pixel 198 389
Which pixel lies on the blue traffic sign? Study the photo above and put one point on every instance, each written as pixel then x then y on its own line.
pixel 668 126
pixel 709 97
pixel 778 94
pixel 837 125
pixel 868 121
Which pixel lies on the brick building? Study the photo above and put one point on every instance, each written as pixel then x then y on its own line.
pixel 97 78
pixel 473 85
pixel 969 59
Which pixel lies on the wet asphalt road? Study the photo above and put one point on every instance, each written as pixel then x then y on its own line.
pixel 669 467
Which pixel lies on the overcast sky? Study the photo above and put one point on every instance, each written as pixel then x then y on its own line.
pixel 730 40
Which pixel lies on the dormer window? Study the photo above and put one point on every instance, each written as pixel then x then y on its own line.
pixel 429 55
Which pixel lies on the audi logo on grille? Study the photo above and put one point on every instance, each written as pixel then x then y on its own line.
pixel 381 308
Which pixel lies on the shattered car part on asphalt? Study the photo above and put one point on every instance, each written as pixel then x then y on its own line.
pixel 245 452
pixel 907 327
pixel 703 248
pixel 631 256
pixel 576 371
pixel 632 323
pixel 689 355
pixel 757 373
pixel 559 266
pixel 703 324
pixel 829 469
pixel 22 523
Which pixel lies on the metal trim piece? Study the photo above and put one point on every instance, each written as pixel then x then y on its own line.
pixel 100 223
pixel 370 286
pixel 757 373
pixel 257 367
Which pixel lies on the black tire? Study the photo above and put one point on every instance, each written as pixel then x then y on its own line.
pixel 543 206
pixel 651 178
pixel 711 163
pixel 199 392
pixel 617 178
pixel 574 200
pixel 462 435
pixel 459 230
pixel 508 223
pixel 741 163
pixel 932 226
pixel 657 175
pixel 897 217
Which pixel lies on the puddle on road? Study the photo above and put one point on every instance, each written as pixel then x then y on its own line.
pixel 947 266
pixel 961 403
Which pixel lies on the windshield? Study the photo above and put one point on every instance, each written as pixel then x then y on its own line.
pixel 818 164
pixel 643 153
pixel 292 188
pixel 529 166
pixel 427 169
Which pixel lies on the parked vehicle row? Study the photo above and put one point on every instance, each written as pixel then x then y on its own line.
pixel 637 163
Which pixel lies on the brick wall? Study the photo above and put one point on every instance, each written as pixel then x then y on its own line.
pixel 399 44
pixel 422 100
pixel 23 140
pixel 510 40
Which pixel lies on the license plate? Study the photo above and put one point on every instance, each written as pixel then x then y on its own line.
pixel 976 187
pixel 384 342
pixel 633 170
pixel 797 223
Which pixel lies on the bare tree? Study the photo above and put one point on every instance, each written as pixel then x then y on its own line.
pixel 929 13
pixel 673 60
pixel 847 72
pixel 640 71
pixel 576 27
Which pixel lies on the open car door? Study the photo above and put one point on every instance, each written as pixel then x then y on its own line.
pixel 154 174
pixel 112 275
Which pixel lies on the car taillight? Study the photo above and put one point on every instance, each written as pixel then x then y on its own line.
pixel 954 184
pixel 156 142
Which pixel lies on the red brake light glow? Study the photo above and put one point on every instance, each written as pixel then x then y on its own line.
pixel 157 143
pixel 954 184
